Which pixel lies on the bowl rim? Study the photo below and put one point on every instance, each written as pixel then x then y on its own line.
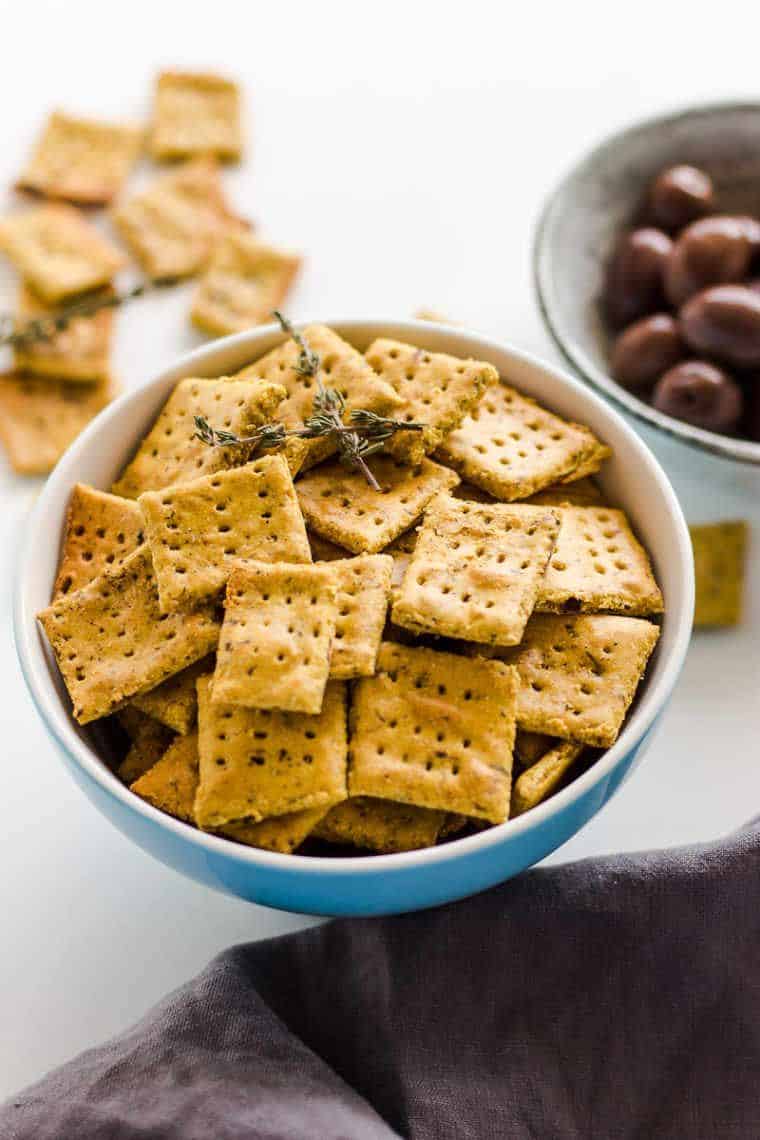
pixel 744 451
pixel 57 718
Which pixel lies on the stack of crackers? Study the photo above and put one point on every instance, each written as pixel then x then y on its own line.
pixel 178 227
pixel 297 658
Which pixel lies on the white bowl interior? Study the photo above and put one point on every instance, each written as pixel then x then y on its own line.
pixel 632 479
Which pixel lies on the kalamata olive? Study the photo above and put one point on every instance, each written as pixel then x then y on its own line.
pixel 645 350
pixel 700 394
pixel 634 285
pixel 725 322
pixel 680 195
pixel 712 251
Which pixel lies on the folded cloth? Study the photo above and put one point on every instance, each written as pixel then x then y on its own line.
pixel 612 998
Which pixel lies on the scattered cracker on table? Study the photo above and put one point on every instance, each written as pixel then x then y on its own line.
pixel 362 586
pixel 582 493
pixel 342 367
pixel 112 643
pixel 101 531
pixel 340 505
pixel 82 160
pixel 257 763
pixel 435 730
pixel 598 564
pixel 172 227
pixel 148 742
pixel 579 673
pixel 39 418
pixel 171 783
pixel 512 447
pixel 197 530
pixel 244 282
pixel 80 351
pixel 436 389
pixel 174 702
pixel 380 825
pixel 196 113
pixel 58 252
pixel 538 782
pixel 476 570
pixel 531 746
pixel 719 564
pixel 171 453
pixel 274 648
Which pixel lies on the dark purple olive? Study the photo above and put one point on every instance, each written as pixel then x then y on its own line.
pixel 645 350
pixel 634 284
pixel 678 196
pixel 712 251
pixel 725 322
pixel 700 394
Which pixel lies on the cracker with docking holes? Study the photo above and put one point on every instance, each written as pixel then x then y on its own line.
pixel 380 825
pixel 274 648
pixel 257 763
pixel 102 530
pixel 173 226
pixel 598 565
pixel 512 447
pixel 435 730
pixel 197 530
pixel 245 280
pixel 148 742
pixel 363 587
pixel 538 782
pixel 82 160
pixel 340 505
pixel 476 570
pixel 58 252
pixel 342 367
pixel 171 452
pixel 112 642
pixel 196 113
pixel 582 493
pixel 579 673
pixel 80 351
pixel 719 563
pixel 437 390
pixel 174 702
pixel 39 418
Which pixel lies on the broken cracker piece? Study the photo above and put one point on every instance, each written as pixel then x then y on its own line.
pixel 171 783
pixel 80 351
pixel 174 702
pixel 39 418
pixel 537 783
pixel 244 282
pixel 380 825
pixel 102 530
pixel 362 588
pixel 719 563
pixel 196 113
pixel 86 161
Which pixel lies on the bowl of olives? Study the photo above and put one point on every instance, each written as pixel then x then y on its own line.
pixel 647 269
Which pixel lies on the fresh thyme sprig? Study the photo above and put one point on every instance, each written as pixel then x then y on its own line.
pixel 265 437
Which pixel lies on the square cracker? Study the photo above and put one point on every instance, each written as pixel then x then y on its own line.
pixel 380 825
pixel 274 648
pixel 342 367
pixel 171 453
pixel 82 160
pixel 363 586
pixel 196 113
pixel 197 530
pixel 719 561
pixel 476 570
pixel 58 252
pixel 39 418
pixel 597 564
pixel 173 225
pixel 435 730
pixel 111 641
pixel 257 763
pixel 102 530
pixel 339 504
pixel 148 742
pixel 436 389
pixel 537 783
pixel 244 282
pixel 174 702
pixel 78 352
pixel 512 447
pixel 579 673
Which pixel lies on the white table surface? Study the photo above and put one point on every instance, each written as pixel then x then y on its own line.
pixel 405 148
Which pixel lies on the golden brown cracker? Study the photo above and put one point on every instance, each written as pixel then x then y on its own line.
pixel 80 351
pixel 437 390
pixel 174 702
pixel 719 563
pixel 362 588
pixel 148 742
pixel 170 785
pixel 592 461
pixel 39 418
pixel 531 746
pixel 435 730
pixel 245 280
pixel 283 833
pixel 380 825
pixel 581 493
pixel 101 531
pixel 537 783
pixel 196 113
pixel 86 161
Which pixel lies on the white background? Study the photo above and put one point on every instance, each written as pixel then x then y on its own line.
pixel 406 149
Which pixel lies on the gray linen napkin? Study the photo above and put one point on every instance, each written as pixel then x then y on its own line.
pixel 613 998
